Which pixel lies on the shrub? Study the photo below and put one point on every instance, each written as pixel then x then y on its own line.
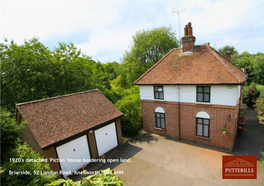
pixel 14 155
pixel 20 155
pixel 262 159
pixel 10 134
pixel 260 88
pixel 251 95
pixel 132 120
pixel 260 108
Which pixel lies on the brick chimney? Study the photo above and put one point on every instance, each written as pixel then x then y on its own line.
pixel 228 55
pixel 188 40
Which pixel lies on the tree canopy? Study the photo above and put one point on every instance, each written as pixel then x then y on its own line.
pixel 14 156
pixel 31 71
pixel 253 66
pixel 148 47
pixel 226 48
pixel 10 134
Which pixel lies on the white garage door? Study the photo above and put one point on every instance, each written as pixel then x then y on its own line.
pixel 71 155
pixel 106 138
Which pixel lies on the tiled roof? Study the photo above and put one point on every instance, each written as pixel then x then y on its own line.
pixel 54 119
pixel 202 66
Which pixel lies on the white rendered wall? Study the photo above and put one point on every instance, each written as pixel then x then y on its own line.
pixel 224 95
pixel 146 92
pixel 220 94
pixel 170 93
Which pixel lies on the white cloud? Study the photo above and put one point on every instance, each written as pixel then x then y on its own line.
pixel 209 18
pixel 25 19
pixel 107 41
pixel 109 25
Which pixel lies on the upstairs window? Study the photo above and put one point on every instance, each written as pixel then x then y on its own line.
pixel 203 94
pixel 158 92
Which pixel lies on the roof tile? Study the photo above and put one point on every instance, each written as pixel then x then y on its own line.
pixel 202 66
pixel 53 119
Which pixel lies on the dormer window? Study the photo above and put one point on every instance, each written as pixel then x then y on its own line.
pixel 203 94
pixel 158 92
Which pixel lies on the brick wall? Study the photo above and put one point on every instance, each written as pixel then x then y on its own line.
pixel 171 117
pixel 218 121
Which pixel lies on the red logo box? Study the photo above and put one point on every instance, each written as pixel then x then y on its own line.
pixel 239 167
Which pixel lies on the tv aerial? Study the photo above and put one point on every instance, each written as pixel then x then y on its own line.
pixel 178 12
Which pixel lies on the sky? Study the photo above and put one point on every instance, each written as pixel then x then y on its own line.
pixel 103 29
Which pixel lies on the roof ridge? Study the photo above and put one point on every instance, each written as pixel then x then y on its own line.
pixel 57 97
pixel 155 65
pixel 223 61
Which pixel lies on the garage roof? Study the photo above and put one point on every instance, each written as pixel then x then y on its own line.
pixel 54 119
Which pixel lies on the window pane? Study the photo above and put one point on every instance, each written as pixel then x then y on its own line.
pixel 200 121
pixel 206 89
pixel 160 89
pixel 206 97
pixel 156 88
pixel 157 115
pixel 199 130
pixel 200 89
pixel 161 95
pixel 162 115
pixel 200 97
pixel 156 94
pixel 158 122
pixel 206 121
pixel 206 131
pixel 162 123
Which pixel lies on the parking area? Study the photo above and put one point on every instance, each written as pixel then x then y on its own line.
pixel 158 161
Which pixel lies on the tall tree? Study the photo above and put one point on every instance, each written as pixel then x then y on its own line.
pixel 147 48
pixel 131 107
pixel 252 64
pixel 226 48
pixel 258 68
pixel 110 69
pixel 31 71
pixel 72 70
pixel 25 72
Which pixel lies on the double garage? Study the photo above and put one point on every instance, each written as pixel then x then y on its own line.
pixel 72 128
pixel 74 154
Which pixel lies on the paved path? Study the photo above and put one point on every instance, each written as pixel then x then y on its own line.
pixel 251 141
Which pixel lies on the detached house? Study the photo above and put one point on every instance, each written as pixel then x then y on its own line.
pixel 192 94
pixel 70 130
